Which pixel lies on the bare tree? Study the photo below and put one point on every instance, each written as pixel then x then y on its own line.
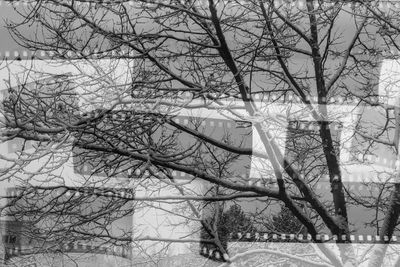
pixel 201 102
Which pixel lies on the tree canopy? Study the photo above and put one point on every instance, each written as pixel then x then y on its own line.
pixel 163 112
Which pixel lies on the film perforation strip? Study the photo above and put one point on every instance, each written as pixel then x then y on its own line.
pixel 99 54
pixel 310 125
pixel 75 247
pixel 265 237
pixel 122 193
pixel 215 254
pixel 264 99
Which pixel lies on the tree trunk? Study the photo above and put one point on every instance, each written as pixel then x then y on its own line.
pixel 387 229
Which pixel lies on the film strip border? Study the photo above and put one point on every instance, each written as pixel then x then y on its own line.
pixel 76 247
pixel 213 254
pixel 124 193
pixel 356 180
pixel 313 126
pixel 20 54
pixel 183 120
pixel 265 237
pixel 216 255
pixel 264 99
pixel 115 192
pixel 354 183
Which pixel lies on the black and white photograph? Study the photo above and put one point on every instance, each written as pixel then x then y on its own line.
pixel 204 133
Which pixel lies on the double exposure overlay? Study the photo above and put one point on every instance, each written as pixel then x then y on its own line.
pixel 200 133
